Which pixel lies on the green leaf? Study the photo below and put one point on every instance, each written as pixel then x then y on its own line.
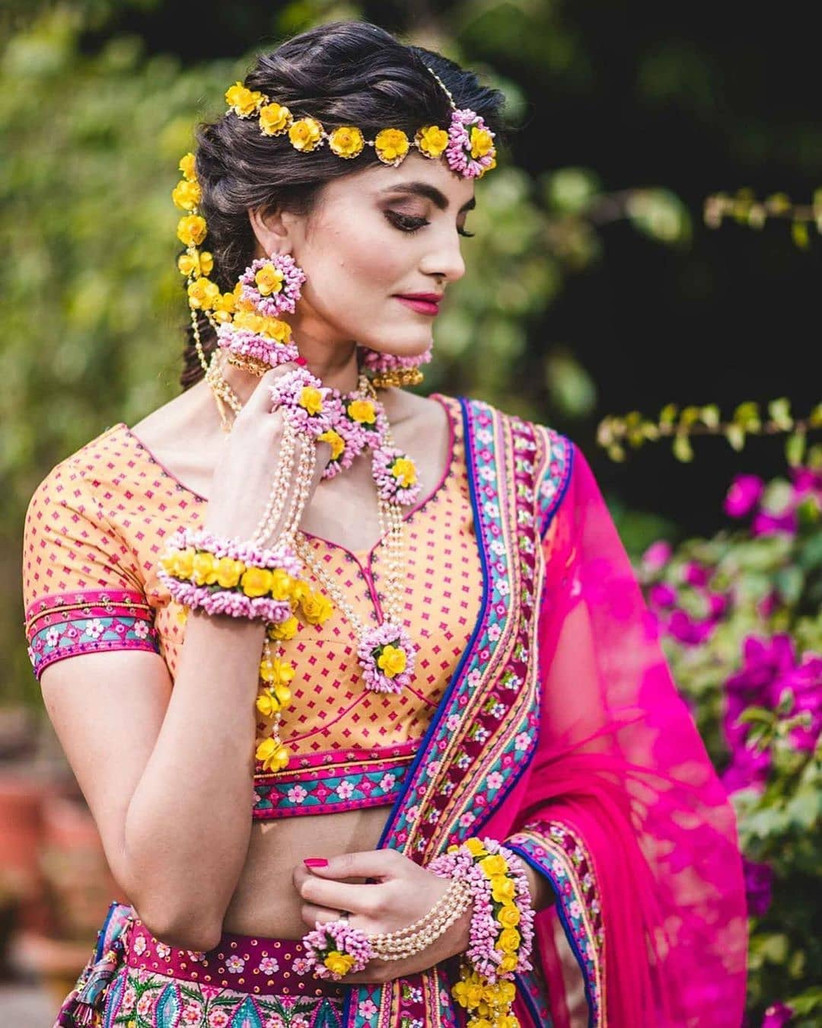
pixel 795 448
pixel 800 234
pixel 735 434
pixel 779 412
pixel 682 448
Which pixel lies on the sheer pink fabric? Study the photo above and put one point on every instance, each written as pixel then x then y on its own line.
pixel 621 764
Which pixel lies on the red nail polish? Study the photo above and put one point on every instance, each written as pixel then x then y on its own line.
pixel 315 862
pixel 301 361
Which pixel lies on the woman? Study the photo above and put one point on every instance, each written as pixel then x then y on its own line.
pixel 400 630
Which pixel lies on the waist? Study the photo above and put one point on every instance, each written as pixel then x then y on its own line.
pixel 331 782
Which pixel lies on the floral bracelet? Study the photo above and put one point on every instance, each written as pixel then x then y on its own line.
pixel 502 928
pixel 225 576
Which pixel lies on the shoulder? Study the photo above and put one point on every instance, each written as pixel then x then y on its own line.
pixel 75 481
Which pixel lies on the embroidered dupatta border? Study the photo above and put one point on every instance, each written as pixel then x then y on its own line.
pixel 493 694
pixel 555 851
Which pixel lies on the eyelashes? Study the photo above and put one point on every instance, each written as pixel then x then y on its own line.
pixel 409 224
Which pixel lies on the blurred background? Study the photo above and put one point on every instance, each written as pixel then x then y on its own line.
pixel 603 279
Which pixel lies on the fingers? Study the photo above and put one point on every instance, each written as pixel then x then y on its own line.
pixel 313 915
pixel 260 400
pixel 379 864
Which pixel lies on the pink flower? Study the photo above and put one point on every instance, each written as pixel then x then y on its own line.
pixel 758 883
pixel 777 1015
pixel 217 1018
pixel 662 595
pixel 235 964
pixel 192 1013
pixel 744 493
pixel 687 630
pixel 656 556
pixel 766 523
pixel 268 965
pixel 695 574
pixel 366 1008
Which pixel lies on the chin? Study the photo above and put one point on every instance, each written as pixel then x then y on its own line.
pixel 412 346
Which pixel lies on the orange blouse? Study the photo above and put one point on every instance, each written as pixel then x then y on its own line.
pixel 95 529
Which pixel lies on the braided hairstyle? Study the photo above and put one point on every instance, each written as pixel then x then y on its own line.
pixel 342 73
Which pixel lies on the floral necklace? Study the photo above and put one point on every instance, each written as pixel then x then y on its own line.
pixel 350 424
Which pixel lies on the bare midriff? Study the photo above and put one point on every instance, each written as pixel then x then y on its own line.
pixel 265 901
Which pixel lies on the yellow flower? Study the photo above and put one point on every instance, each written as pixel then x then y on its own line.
pixel 269 279
pixel 281 584
pixel 267 703
pixel 305 134
pixel 335 441
pixel 191 229
pixel 346 141
pixel 475 847
pixel 505 992
pixel 431 140
pixel 284 629
pixel 203 294
pixel 508 963
pixel 229 572
pixel 186 195
pixel 196 262
pixel 276 329
pixel 508 940
pixel 362 411
pixel 188 166
pixel 272 755
pixel 482 142
pixel 311 399
pixel 494 864
pixel 503 888
pixel 256 581
pixel 508 915
pixel 338 963
pixel 247 319
pixel 204 569
pixel 392 660
pixel 224 306
pixel 299 591
pixel 244 102
pixel 274 119
pixel 316 608
pixel 405 471
pixel 391 145
pixel 276 672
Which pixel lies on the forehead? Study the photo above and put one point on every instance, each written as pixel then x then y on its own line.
pixel 380 180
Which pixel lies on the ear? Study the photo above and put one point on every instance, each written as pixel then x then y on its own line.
pixel 271 231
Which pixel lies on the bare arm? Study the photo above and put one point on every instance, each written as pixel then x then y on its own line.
pixel 168 773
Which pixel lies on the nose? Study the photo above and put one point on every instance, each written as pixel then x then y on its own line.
pixel 444 259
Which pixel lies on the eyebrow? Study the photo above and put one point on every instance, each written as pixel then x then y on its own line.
pixel 430 193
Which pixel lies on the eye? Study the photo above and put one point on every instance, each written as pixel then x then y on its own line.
pixel 409 224
pixel 406 222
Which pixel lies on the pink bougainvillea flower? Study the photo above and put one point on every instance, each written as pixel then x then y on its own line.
pixel 777 1015
pixel 805 682
pixel 765 523
pixel 758 886
pixel 656 556
pixel 695 574
pixel 743 495
pixel 688 630
pixel 662 595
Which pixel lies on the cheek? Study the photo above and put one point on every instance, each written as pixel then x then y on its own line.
pixel 362 255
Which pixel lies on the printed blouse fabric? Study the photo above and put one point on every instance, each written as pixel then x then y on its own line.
pixel 95 528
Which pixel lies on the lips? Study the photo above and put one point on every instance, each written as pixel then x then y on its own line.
pixel 422 303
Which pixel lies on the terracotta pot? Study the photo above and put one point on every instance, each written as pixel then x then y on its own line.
pixel 21 836
pixel 79 884
pixel 55 963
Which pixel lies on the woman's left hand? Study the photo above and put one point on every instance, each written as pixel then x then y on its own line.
pixel 399 893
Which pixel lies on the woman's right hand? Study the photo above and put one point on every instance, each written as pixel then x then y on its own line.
pixel 245 470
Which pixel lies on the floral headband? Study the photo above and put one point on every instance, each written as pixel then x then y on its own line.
pixel 468 144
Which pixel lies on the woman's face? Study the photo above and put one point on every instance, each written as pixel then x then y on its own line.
pixel 377 239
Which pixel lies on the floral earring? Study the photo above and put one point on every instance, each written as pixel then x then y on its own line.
pixel 388 370
pixel 255 338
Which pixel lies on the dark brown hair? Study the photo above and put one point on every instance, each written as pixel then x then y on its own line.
pixel 342 73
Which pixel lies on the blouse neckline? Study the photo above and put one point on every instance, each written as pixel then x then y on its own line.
pixel 367 552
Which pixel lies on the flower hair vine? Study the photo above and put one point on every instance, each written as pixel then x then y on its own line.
pixel 467 143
